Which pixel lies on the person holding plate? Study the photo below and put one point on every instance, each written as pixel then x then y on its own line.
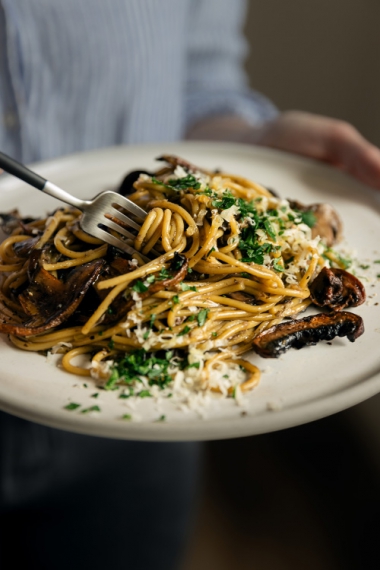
pixel 85 74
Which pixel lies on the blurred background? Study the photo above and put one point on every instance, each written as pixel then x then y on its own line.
pixel 306 498
pixel 319 56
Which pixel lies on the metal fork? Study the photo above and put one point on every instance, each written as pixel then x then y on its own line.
pixel 98 213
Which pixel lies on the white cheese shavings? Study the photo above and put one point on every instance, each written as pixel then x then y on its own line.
pixel 57 347
pixel 229 213
pixel 101 370
pixel 179 172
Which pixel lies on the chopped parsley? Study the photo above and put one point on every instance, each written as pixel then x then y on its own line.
pixel 160 183
pixel 227 200
pixel 164 274
pixel 247 209
pixel 309 218
pixel 150 279
pixel 269 229
pixel 72 406
pixel 186 287
pixel 184 331
pixel 131 367
pixel 144 394
pixel 202 316
pixel 252 251
pixel 183 183
pixel 91 409
pixel 345 262
pixel 193 365
pixel 126 417
pixel 175 299
pixel 95 395
pixel 161 419
pixel 139 287
pixel 209 192
pixel 277 264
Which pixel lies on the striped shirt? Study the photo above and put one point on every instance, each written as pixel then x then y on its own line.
pixel 82 74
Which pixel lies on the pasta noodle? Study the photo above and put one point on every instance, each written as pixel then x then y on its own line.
pixel 228 260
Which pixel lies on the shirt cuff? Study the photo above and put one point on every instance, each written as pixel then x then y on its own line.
pixel 247 104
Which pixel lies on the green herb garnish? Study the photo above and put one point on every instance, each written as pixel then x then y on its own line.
pixel 193 365
pixel 184 331
pixel 144 394
pixel 184 183
pixel 309 218
pixel 72 406
pixel 277 264
pixel 186 287
pixel 139 287
pixel 91 409
pixel 131 367
pixel 164 274
pixel 202 316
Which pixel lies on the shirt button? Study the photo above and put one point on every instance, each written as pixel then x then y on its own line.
pixel 10 120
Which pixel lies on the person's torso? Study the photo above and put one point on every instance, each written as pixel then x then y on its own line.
pixel 83 74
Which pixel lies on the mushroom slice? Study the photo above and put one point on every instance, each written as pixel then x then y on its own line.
pixel 328 225
pixel 175 161
pixel 126 186
pixel 298 333
pixel 50 310
pixel 180 264
pixel 336 289
pixel 12 220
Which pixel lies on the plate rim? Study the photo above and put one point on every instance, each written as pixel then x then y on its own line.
pixel 263 422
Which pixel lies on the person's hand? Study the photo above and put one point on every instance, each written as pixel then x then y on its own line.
pixel 322 138
pixel 315 136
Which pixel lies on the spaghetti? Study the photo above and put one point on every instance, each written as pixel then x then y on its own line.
pixel 228 260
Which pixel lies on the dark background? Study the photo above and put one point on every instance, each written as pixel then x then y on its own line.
pixel 320 56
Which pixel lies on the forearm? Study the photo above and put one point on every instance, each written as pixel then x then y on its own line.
pixel 228 128
pixel 314 136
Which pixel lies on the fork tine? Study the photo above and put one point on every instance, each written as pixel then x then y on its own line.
pixel 125 219
pixel 119 229
pixel 127 205
pixel 116 242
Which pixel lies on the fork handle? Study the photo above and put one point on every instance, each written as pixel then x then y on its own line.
pixel 19 170
pixel 22 172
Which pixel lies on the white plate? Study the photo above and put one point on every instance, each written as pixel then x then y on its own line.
pixel 301 385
